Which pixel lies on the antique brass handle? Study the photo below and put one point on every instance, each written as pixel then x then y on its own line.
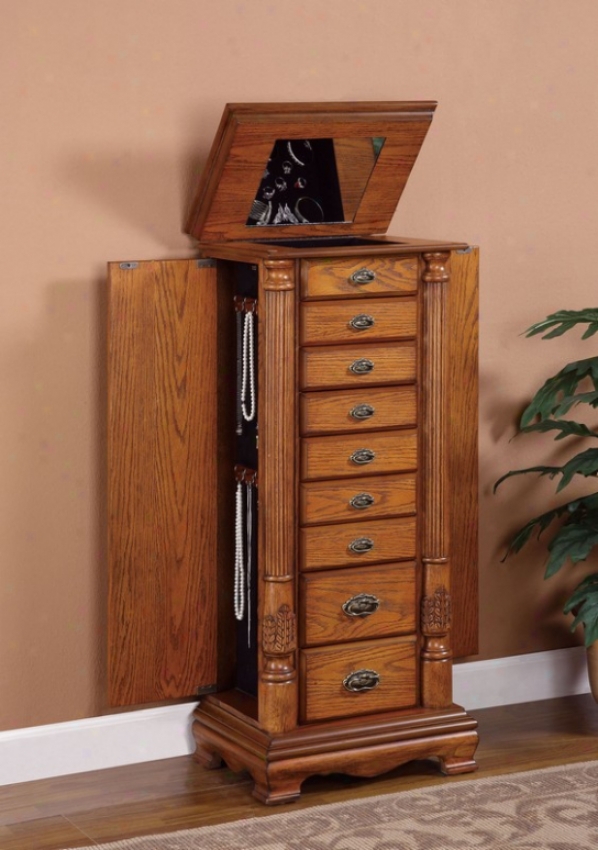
pixel 362 411
pixel 362 501
pixel 361 605
pixel 361 366
pixel 362 276
pixel 361 545
pixel 361 680
pixel 362 322
pixel 363 456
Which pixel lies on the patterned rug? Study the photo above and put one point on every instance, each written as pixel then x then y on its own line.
pixel 551 809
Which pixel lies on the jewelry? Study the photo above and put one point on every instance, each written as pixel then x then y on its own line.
pixel 280 183
pixel 258 208
pixel 310 207
pixel 249 531
pixel 285 216
pixel 300 183
pixel 239 585
pixel 248 369
pixel 265 216
pixel 287 167
pixel 268 192
pixel 306 152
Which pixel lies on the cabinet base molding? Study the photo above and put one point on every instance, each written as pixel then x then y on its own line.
pixel 367 746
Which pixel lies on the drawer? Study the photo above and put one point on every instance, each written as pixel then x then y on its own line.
pixel 322 367
pixel 357 498
pixel 348 321
pixel 386 670
pixel 331 411
pixel 358 454
pixel 357 543
pixel 333 277
pixel 378 602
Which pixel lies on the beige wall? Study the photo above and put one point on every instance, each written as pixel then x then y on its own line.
pixel 108 109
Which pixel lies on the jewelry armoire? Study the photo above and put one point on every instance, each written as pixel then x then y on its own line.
pixel 292 484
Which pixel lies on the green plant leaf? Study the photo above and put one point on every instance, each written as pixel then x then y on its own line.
pixel 588 588
pixel 592 329
pixel 541 470
pixel 586 507
pixel 585 463
pixel 565 427
pixel 574 542
pixel 584 604
pixel 561 386
pixel 541 523
pixel 562 321
pixel 568 402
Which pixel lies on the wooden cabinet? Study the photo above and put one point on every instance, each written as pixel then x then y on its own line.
pixel 356 482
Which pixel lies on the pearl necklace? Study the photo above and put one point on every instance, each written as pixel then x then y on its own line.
pixel 243 557
pixel 248 368
pixel 239 586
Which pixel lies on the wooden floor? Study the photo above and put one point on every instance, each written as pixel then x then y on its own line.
pixel 163 796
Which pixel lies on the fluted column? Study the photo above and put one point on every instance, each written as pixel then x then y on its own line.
pixel 277 689
pixel 436 668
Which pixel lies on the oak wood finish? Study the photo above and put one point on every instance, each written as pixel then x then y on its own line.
pixel 313 451
pixel 330 501
pixel 330 321
pixel 325 546
pixel 462 307
pixel 332 411
pixel 379 742
pixel 322 595
pixel 163 539
pixel 244 142
pixel 277 688
pixel 323 670
pixel 334 456
pixel 435 614
pixel 322 367
pixel 332 278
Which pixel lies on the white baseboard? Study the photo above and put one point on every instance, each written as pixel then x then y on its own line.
pixel 95 743
pixel 521 678
pixel 159 733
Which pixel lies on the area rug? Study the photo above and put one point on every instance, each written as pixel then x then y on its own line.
pixel 551 809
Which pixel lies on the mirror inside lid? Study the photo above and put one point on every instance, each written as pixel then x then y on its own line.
pixel 281 171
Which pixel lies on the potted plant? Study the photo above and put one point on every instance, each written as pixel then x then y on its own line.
pixel 575 537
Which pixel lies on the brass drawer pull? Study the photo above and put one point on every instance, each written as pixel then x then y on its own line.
pixel 362 501
pixel 362 322
pixel 361 545
pixel 363 456
pixel 362 411
pixel 361 680
pixel 362 605
pixel 361 366
pixel 362 276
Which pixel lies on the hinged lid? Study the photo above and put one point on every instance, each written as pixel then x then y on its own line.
pixel 285 170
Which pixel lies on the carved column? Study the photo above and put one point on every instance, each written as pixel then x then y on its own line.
pixel 436 667
pixel 277 687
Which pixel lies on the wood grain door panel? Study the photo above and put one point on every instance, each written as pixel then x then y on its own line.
pixel 163 445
